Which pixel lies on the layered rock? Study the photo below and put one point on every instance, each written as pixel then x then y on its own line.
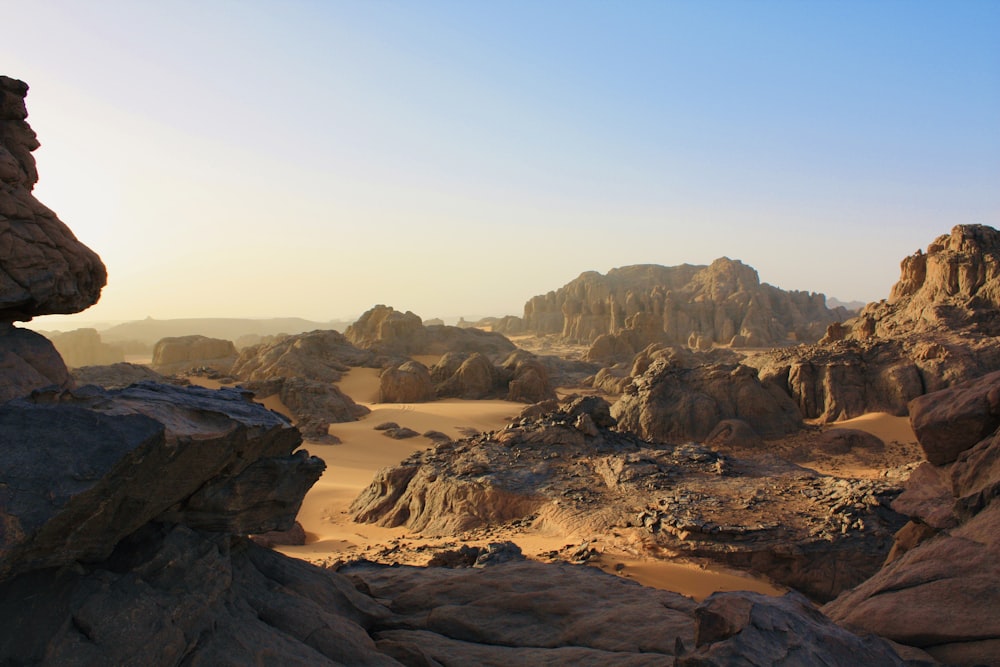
pixel 938 591
pixel 568 469
pixel 724 303
pixel 938 328
pixel 115 376
pixel 44 269
pixel 181 353
pixel 387 331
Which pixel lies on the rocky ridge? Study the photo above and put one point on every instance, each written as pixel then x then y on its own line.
pixel 700 306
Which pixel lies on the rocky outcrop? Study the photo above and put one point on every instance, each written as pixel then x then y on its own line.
pixel 938 591
pixel 177 354
pixel 721 304
pixel 319 355
pixel 301 370
pixel 84 347
pixel 409 382
pixel 115 376
pixel 44 269
pixel 954 286
pixel 29 361
pixel 568 469
pixel 671 402
pixel 386 331
pixel 938 328
pixel 754 629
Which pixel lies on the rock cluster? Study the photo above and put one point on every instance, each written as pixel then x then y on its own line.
pixel 939 589
pixel 301 370
pixel 721 304
pixel 521 376
pixel 388 332
pixel 568 468
pixel 938 328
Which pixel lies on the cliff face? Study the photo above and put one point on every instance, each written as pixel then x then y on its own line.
pixel 724 303
pixel 44 269
pixel 938 327
pixel 955 285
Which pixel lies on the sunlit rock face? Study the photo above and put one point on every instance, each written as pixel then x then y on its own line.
pixel 701 306
pixel 44 269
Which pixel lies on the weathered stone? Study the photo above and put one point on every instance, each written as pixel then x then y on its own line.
pixel 29 361
pixel 949 422
pixel 44 269
pixel 176 354
pixel 409 382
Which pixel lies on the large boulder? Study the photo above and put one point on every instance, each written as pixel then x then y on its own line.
pixel 29 361
pixel 44 269
pixel 409 382
pixel 321 355
pixel 670 403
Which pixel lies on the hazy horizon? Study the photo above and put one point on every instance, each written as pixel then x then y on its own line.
pixel 251 159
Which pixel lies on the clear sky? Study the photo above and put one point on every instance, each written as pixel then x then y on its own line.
pixel 312 159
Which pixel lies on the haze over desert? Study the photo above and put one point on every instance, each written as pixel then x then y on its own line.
pixel 449 334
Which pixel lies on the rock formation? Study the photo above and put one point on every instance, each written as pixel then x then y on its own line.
pixel 84 347
pixel 721 304
pixel 939 590
pixel 387 331
pixel 409 382
pixel 672 401
pixel 938 328
pixel 177 354
pixel 115 376
pixel 301 370
pixel 44 269
pixel 569 469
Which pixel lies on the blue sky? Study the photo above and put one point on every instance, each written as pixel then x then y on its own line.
pixel 457 158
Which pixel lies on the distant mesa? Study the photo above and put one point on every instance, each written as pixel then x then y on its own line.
pixel 84 347
pixel 698 306
pixel 176 355
pixel 242 331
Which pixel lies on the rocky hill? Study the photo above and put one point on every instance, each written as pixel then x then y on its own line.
pixel 937 328
pixel 700 306
pixel 386 331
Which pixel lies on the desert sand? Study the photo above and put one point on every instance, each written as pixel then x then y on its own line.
pixel 332 537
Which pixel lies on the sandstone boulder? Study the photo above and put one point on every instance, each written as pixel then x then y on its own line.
pixel 386 331
pixel 29 361
pixel 318 355
pixel 470 376
pixel 409 382
pixel 44 269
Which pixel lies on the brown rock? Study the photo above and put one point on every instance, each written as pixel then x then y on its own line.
pixel 176 354
pixel 29 361
pixel 407 383
pixel 44 269
pixel 948 422
pixel 84 347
